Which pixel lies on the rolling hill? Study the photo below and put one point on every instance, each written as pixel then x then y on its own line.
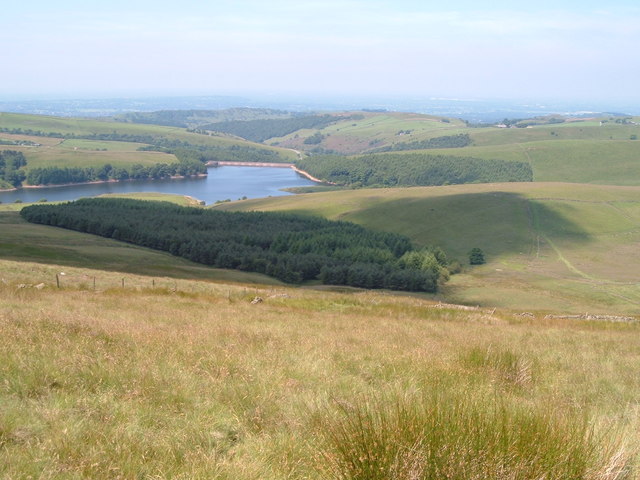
pixel 599 150
pixel 548 245
pixel 74 142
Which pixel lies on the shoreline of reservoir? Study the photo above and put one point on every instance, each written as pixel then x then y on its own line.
pixel 208 164
pixel 230 182
pixel 97 182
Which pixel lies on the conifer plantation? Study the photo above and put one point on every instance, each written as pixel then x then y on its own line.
pixel 291 248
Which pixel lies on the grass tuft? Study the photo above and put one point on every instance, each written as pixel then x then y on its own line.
pixel 442 436
pixel 508 366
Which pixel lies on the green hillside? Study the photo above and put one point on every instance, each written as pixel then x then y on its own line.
pixel 548 245
pixel 48 140
pixel 84 127
pixel 602 150
pixel 389 129
pixel 372 130
pixel 610 162
pixel 71 150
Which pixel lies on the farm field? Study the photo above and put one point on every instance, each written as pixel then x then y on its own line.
pixel 548 245
pixel 90 154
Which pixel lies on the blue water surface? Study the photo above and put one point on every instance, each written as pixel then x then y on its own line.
pixel 221 183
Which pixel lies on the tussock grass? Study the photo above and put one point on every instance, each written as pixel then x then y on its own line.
pixel 440 436
pixel 507 365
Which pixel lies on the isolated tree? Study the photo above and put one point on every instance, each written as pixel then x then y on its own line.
pixel 476 256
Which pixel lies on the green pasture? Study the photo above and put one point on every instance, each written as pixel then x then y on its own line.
pixel 375 130
pixel 40 157
pixel 183 200
pixel 388 125
pixel 383 129
pixel 82 127
pixel 43 141
pixel 608 162
pixel 92 145
pixel 560 131
pixel 570 246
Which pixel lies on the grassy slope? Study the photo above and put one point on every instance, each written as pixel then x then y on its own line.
pixel 91 126
pixel 64 157
pixel 184 200
pixel 612 162
pixel 375 130
pixel 200 383
pixel 83 153
pixel 380 129
pixel 81 126
pixel 549 246
pixel 575 151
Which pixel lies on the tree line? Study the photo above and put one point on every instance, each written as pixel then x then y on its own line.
pixel 291 248
pixel 448 141
pixel 63 175
pixel 213 153
pixel 11 167
pixel 392 170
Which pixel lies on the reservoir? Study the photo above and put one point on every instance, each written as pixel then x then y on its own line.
pixel 221 183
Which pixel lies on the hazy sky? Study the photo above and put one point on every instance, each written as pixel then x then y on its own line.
pixel 538 49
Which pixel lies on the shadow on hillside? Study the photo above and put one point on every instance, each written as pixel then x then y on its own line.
pixel 497 222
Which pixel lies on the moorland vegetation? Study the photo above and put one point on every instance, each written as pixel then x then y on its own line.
pixel 190 379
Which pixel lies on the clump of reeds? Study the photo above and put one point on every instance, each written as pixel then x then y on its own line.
pixel 460 438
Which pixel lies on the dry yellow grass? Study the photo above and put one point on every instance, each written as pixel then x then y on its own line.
pixel 192 380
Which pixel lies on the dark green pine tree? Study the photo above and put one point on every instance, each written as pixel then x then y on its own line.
pixel 476 256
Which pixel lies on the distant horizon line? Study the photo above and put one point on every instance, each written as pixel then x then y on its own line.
pixel 309 96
